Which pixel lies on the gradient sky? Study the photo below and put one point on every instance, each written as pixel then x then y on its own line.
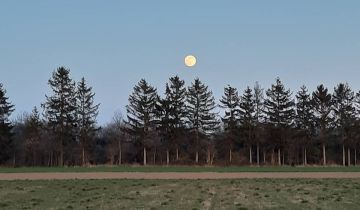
pixel 114 44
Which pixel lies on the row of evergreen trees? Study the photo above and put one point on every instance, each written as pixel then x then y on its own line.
pixel 185 125
pixel 187 118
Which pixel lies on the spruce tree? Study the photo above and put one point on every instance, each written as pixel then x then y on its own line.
pixel 230 103
pixel 322 102
pixel 344 113
pixel 163 111
pixel 202 120
pixel 304 119
pixel 87 112
pixel 60 110
pixel 142 115
pixel 6 108
pixel 279 108
pixel 247 118
pixel 176 97
pixel 258 120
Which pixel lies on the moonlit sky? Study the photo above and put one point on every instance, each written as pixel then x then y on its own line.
pixel 114 44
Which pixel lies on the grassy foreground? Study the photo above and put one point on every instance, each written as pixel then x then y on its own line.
pixel 181 169
pixel 181 194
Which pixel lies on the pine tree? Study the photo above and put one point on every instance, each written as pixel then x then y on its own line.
pixel 322 106
pixel 87 112
pixel 6 108
pixel 247 118
pixel 280 112
pixel 176 97
pixel 32 133
pixel 163 111
pixel 258 119
pixel 142 115
pixel 201 118
pixel 230 103
pixel 304 119
pixel 344 113
pixel 60 110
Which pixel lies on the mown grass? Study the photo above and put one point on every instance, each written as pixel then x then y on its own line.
pixel 181 169
pixel 181 194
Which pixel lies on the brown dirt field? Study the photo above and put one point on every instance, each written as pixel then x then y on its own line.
pixel 181 175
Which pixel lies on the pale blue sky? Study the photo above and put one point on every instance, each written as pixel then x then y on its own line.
pixel 114 44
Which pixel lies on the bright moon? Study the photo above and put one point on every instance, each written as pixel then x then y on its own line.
pixel 190 60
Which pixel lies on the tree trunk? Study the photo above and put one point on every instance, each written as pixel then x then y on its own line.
pixel 14 160
pixel 349 161
pixel 111 158
pixel 250 155
pixel 273 157
pixel 34 157
pixel 61 155
pixel 264 157
pixel 154 157
pixel 230 156
pixel 120 153
pixel 305 156
pixel 355 160
pixel 343 153
pixel 258 154
pixel 324 154
pixel 144 156
pixel 208 156
pixel 50 159
pixel 197 157
pixel 167 157
pixel 177 154
pixel 212 158
pixel 83 156
pixel 279 157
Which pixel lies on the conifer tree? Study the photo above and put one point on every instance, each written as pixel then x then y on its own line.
pixel 280 111
pixel 87 112
pixel 344 113
pixel 176 96
pixel 247 118
pixel 60 110
pixel 6 108
pixel 142 115
pixel 163 111
pixel 230 103
pixel 201 117
pixel 304 119
pixel 322 106
pixel 258 119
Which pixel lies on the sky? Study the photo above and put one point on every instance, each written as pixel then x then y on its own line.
pixel 113 44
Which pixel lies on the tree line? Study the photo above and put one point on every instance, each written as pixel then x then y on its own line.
pixel 185 125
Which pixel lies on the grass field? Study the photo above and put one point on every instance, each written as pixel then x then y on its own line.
pixel 181 169
pixel 181 194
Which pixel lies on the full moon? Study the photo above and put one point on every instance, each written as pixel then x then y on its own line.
pixel 190 60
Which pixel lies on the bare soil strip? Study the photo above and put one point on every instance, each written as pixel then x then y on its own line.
pixel 182 175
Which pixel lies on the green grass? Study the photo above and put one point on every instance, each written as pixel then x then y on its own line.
pixel 181 194
pixel 180 169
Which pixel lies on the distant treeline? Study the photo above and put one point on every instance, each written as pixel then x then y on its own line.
pixel 184 126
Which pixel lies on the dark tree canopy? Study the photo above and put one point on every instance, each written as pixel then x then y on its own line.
pixel 279 105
